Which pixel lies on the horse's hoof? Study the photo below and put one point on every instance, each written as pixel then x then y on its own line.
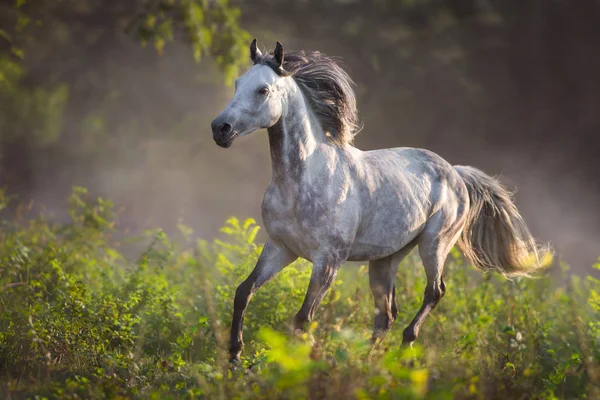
pixel 303 335
pixel 235 361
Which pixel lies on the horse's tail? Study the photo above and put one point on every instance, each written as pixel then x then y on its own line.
pixel 495 237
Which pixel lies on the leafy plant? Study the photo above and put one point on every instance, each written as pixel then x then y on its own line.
pixel 79 319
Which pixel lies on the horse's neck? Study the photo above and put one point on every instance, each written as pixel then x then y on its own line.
pixel 295 142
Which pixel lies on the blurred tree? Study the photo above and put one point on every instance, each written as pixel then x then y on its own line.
pixel 523 64
pixel 33 96
pixel 62 73
pixel 402 53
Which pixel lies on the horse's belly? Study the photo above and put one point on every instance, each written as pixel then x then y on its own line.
pixel 367 252
pixel 386 234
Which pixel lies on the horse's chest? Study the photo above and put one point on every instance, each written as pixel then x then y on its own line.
pixel 299 222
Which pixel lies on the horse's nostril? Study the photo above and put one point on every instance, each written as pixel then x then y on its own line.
pixel 225 128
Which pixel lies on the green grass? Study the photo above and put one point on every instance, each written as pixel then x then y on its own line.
pixel 79 320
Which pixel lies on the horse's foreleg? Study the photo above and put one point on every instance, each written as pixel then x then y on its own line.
pixel 272 260
pixel 322 277
pixel 382 279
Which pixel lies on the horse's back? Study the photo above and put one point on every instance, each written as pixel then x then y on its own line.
pixel 418 171
pixel 412 159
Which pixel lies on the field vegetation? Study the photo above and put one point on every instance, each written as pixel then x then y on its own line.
pixel 80 319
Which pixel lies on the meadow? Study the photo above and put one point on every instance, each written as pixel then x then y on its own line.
pixel 82 319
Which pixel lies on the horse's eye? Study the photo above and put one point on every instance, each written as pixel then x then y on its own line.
pixel 264 90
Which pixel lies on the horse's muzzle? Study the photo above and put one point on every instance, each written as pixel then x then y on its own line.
pixel 223 133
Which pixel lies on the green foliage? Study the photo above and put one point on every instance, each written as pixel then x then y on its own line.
pixel 211 27
pixel 80 320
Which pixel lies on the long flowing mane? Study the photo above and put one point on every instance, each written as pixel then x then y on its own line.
pixel 328 89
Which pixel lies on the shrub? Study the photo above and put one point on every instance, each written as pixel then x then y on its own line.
pixel 79 319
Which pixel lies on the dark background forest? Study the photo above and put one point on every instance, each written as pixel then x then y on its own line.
pixel 117 96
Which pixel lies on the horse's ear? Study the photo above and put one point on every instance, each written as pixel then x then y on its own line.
pixel 255 52
pixel 278 55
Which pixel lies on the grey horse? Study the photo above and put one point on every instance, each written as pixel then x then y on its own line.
pixel 329 202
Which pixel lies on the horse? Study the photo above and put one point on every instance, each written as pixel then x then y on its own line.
pixel 329 202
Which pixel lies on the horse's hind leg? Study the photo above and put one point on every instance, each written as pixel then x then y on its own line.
pixel 435 242
pixel 382 278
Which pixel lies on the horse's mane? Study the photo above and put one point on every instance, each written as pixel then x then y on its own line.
pixel 327 87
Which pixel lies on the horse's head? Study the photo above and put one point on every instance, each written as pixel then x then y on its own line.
pixel 257 102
